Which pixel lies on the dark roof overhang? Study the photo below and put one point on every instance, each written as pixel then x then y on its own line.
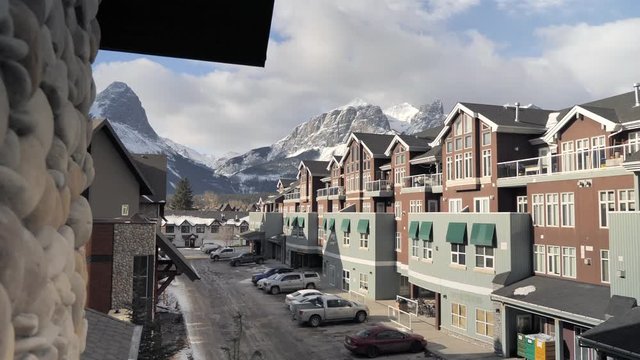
pixel 176 257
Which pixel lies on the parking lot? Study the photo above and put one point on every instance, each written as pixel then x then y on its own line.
pixel 209 307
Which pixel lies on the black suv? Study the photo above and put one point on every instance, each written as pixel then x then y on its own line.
pixel 263 275
pixel 246 258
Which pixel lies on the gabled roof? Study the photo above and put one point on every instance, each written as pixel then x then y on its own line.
pixel 109 338
pixel 411 143
pixel 315 167
pixel 433 155
pixel 100 124
pixel 374 144
pixel 282 182
pixel 154 169
pixel 337 159
pixel 430 133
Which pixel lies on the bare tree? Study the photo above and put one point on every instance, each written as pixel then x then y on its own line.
pixel 233 352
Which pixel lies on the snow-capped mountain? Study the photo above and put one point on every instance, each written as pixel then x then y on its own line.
pixel 122 107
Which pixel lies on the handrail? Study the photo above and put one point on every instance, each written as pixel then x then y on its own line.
pixel 290 196
pixel 330 191
pixel 378 185
pixel 395 315
pixel 422 180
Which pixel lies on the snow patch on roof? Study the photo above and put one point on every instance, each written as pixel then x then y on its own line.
pixel 525 290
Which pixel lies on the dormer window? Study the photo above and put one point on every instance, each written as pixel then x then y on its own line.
pixel 468 124
pixel 458 127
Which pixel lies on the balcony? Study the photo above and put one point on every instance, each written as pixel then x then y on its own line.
pixel 331 193
pixel 422 183
pixel 378 188
pixel 568 165
pixel 290 197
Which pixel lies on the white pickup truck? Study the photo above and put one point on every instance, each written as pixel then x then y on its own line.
pixel 227 253
pixel 331 308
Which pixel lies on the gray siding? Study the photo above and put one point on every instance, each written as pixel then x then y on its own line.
pixel 114 184
pixel 624 248
pixel 308 242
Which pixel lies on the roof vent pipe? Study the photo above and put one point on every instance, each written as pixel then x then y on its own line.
pixel 517 110
pixel 636 87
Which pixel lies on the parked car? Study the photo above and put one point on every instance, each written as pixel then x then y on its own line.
pixel 304 302
pixel 263 275
pixel 208 247
pixel 300 295
pixel 291 282
pixel 331 308
pixel 380 339
pixel 263 281
pixel 246 258
pixel 223 254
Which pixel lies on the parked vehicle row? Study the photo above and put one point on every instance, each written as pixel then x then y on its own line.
pixel 288 282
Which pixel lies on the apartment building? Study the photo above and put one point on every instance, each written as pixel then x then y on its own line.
pixel 529 195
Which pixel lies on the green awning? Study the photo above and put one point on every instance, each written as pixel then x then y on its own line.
pixel 301 221
pixel 456 232
pixel 363 226
pixel 425 231
pixel 294 221
pixel 413 230
pixel 332 224
pixel 286 221
pixel 324 224
pixel 346 225
pixel 483 234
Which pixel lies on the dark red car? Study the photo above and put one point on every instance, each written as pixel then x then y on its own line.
pixel 379 339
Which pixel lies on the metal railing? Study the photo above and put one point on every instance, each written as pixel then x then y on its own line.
pixel 411 305
pixel 291 196
pixel 572 161
pixel 356 296
pixel 378 185
pixel 399 317
pixel 422 180
pixel 331 191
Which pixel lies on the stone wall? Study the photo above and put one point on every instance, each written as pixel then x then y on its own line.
pixel 46 89
pixel 129 240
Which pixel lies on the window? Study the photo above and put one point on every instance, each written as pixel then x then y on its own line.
pixel 538 258
pixel 599 154
pixel 458 254
pixel 552 209
pixel 400 159
pixel 486 138
pixel 427 249
pixel 366 207
pixel 484 322
pixel 458 316
pixel 538 209
pixel 553 260
pixel 364 282
pixel 626 200
pixel 399 175
pixel 345 239
pixel 486 162
pixel 607 203
pixel 215 228
pixel 634 142
pixel 449 146
pixel 468 124
pixel 604 266
pixel 398 239
pixel 185 229
pixel 458 173
pixel 364 240
pixel 398 210
pixel 481 205
pixel 142 287
pixel 568 210
pixel 415 206
pixel 458 127
pixel 522 204
pixel 468 165
pixel 455 205
pixel 467 142
pixel 346 278
pixel 569 262
pixel 414 247
pixel 458 143
pixel 449 168
pixel 169 229
pixel 582 154
pixel 124 210
pixel 432 205
pixel 568 157
pixel 484 257
pixel 200 229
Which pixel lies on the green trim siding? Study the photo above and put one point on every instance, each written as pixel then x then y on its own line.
pixel 346 225
pixel 286 222
pixel 456 233
pixel 413 230
pixel 300 221
pixel 324 224
pixel 294 221
pixel 332 224
pixel 363 226
pixel 483 234
pixel 425 231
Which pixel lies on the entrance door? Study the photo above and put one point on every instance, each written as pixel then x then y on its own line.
pixel 332 275
pixel 380 208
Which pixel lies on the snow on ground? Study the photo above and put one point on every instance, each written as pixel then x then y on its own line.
pixel 177 291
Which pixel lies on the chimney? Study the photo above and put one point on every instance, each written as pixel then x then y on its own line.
pixel 517 110
pixel 636 87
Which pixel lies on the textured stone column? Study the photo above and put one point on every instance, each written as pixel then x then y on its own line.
pixel 46 89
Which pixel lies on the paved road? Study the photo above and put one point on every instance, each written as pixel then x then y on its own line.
pixel 210 304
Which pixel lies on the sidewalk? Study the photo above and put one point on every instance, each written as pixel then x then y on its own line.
pixel 439 343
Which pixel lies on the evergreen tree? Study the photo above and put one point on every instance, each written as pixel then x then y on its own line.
pixel 183 197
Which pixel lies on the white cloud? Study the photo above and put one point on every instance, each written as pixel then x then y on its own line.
pixel 531 6
pixel 384 52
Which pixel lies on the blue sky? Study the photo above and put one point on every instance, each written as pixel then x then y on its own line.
pixel 553 53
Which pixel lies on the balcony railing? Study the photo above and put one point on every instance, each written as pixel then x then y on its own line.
pixel 567 162
pixel 332 191
pixel 378 185
pixel 292 196
pixel 422 180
